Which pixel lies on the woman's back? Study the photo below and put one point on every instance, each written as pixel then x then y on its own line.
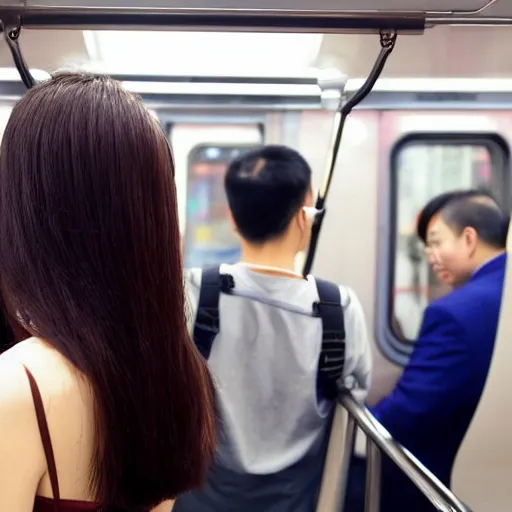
pixel 90 264
pixel 68 411
pixel 68 408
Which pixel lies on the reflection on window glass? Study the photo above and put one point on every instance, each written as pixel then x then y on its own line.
pixel 209 235
pixel 424 170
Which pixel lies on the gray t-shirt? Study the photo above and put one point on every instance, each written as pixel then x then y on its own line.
pixel 273 428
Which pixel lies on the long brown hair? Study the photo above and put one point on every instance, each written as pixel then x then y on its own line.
pixel 90 254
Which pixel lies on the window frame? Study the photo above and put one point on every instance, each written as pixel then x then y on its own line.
pixel 396 349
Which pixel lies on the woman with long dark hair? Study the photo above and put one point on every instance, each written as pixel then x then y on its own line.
pixel 108 404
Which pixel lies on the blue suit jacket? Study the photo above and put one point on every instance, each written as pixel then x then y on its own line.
pixel 434 401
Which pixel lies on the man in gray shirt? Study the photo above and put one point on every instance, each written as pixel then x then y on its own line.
pixel 274 416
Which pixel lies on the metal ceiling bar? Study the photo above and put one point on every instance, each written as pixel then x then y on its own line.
pixel 474 12
pixel 216 19
pixel 270 20
pixel 473 21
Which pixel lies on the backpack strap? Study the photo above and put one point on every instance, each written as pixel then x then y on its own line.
pixel 207 325
pixel 332 355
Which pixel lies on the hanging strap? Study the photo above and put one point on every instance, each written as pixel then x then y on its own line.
pixel 207 319
pixel 45 436
pixel 11 35
pixel 332 355
pixel 387 43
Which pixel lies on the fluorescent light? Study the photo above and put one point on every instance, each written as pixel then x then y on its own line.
pixel 223 89
pixel 202 53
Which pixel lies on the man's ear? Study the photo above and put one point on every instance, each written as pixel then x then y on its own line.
pixel 471 239
pixel 301 219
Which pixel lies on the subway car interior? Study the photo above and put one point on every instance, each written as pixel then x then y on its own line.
pixel 423 92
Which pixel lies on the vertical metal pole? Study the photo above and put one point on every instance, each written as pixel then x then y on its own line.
pixel 348 452
pixel 373 470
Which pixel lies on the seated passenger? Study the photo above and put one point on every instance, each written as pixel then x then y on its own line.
pixel 434 401
pixel 275 407
pixel 108 406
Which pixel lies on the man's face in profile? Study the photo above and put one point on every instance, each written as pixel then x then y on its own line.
pixel 444 276
pixel 448 252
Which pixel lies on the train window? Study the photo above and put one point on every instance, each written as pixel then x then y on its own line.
pixel 423 167
pixel 209 235
pixel 203 146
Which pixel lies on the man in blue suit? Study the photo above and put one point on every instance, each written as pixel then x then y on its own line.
pixel 433 403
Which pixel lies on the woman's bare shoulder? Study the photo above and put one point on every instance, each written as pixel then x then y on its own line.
pixel 14 386
pixel 42 360
pixel 66 403
pixel 18 426
pixel 23 463
pixel 53 374
pixel 16 402
pixel 165 506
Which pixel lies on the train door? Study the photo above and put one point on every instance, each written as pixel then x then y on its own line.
pixel 202 153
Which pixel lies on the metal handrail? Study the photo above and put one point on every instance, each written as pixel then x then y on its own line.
pixel 86 13
pixel 209 18
pixel 379 441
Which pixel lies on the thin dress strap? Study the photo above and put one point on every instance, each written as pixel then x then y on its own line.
pixel 45 436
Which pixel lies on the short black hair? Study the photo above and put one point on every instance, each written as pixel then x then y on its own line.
pixel 488 220
pixel 265 188
pixel 436 204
